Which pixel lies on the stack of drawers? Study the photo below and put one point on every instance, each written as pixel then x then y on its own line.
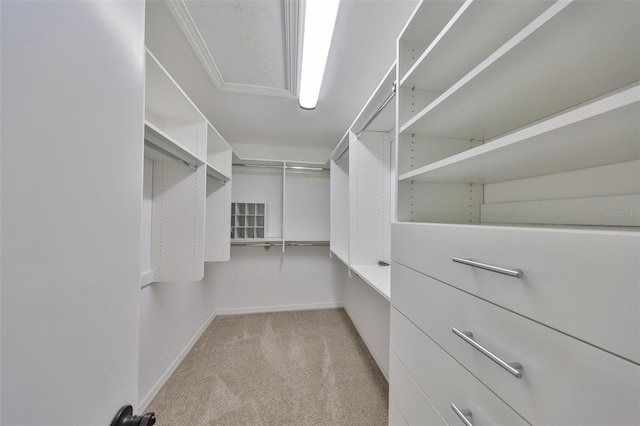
pixel 558 345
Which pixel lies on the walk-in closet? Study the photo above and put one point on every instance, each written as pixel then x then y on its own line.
pixel 320 212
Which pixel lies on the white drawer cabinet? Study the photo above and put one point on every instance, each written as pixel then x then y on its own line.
pixel 594 386
pixel 413 406
pixel 443 380
pixel 567 274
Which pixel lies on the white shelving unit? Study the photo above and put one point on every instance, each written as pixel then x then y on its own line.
pixel 518 145
pixel 339 238
pixel 189 185
pixel 280 204
pixel 218 204
pixel 362 201
pixel 474 129
pixel 248 221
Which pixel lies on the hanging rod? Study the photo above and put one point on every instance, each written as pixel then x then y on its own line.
pixel 343 153
pixel 379 110
pixel 278 244
pixel 170 155
pixel 268 166
pixel 222 181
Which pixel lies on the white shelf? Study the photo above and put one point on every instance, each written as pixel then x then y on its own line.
pixel 569 141
pixel 542 70
pixel 378 277
pixel 217 174
pixel 167 143
pixel 190 220
pixel 217 150
pixel 474 32
pixel 414 39
pixel 163 96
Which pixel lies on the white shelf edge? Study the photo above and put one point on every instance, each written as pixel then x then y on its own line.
pixel 494 57
pixel 341 258
pixel 159 138
pixel 435 41
pixel 378 277
pixel 213 171
pixel 175 83
pixel 592 109
pixel 223 142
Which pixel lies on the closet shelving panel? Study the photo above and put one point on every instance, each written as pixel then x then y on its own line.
pixel 189 181
pixel 362 200
pixel 339 204
pixel 522 125
pixel 218 201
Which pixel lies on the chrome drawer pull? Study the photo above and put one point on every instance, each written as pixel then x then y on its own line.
pixel 514 368
pixel 463 414
pixel 517 273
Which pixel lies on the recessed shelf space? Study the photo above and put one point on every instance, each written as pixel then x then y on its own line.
pixel 558 61
pixel 170 110
pixel 414 39
pixel 602 132
pixel 533 120
pixel 187 188
pixel 474 32
pixel 247 221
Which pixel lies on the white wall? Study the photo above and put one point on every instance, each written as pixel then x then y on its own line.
pixel 72 130
pixel 172 317
pixel 257 280
pixel 369 312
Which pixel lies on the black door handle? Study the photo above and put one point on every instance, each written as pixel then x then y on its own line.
pixel 125 417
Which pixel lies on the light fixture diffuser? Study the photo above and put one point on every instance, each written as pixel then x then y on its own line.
pixel 319 21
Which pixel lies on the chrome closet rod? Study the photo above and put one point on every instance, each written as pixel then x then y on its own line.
pixel 170 155
pixel 343 153
pixel 268 166
pixel 378 111
pixel 278 244
pixel 222 181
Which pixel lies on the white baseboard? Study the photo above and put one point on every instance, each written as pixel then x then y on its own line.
pixel 369 346
pixel 279 308
pixel 144 403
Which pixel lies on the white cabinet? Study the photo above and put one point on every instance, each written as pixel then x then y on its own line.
pixel 187 190
pixel 518 152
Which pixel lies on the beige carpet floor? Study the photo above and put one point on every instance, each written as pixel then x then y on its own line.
pixel 285 368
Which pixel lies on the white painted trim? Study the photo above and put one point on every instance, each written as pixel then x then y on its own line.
pixel 280 308
pixel 369 346
pixel 144 403
pixel 180 11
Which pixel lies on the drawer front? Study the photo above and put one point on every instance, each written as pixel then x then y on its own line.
pixel 443 380
pixel 564 381
pixel 395 416
pixel 414 408
pixel 567 275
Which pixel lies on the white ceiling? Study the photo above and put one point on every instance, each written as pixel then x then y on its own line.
pixel 237 60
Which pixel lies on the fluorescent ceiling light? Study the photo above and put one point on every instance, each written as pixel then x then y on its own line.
pixel 319 20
